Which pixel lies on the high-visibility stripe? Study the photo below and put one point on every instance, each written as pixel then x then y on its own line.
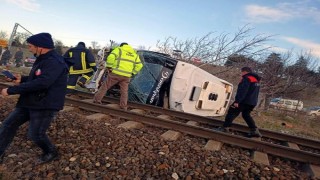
pixel 71 87
pixel 86 77
pixel 122 71
pixel 128 60
pixel 80 71
pixel 118 59
pixel 134 64
pixel 125 63
pixel 92 64
pixel 70 54
pixel 83 60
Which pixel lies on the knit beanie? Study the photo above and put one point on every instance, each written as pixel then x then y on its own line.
pixel 43 40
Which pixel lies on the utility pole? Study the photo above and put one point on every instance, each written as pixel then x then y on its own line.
pixel 14 32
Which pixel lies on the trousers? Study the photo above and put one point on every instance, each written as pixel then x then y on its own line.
pixel 74 78
pixel 113 79
pixel 39 122
pixel 234 112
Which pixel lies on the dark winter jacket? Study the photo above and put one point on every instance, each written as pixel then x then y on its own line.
pixel 18 56
pixel 6 55
pixel 45 87
pixel 80 60
pixel 248 89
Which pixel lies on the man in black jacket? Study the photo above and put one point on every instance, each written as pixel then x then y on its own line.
pixel 245 101
pixel 82 66
pixel 18 57
pixel 42 95
pixel 6 55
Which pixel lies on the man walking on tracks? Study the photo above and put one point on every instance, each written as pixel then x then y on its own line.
pixel 42 95
pixel 122 63
pixel 82 64
pixel 245 101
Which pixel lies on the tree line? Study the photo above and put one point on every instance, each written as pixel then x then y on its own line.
pixel 284 75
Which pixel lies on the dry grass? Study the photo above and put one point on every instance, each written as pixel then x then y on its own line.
pixel 287 122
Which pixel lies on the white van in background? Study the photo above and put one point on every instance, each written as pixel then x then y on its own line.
pixel 286 104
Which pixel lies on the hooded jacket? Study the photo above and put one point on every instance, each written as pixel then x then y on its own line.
pixel 248 89
pixel 45 87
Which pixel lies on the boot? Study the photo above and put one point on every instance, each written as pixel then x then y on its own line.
pixel 48 157
pixel 95 101
pixel 222 129
pixel 254 133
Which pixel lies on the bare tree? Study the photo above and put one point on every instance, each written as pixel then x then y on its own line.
pixel 279 78
pixel 216 49
pixel 142 47
pixel 3 35
pixel 95 45
pixel 59 46
pixel 301 75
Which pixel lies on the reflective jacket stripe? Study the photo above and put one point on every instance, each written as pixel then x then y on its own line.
pixel 119 59
pixel 71 87
pixel 83 60
pixel 86 77
pixel 71 71
pixel 83 63
pixel 124 61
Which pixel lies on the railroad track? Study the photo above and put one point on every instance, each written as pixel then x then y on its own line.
pixel 295 148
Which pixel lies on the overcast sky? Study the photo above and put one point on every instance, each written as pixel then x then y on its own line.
pixel 296 23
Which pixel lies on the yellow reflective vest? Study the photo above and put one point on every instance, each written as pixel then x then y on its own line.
pixel 124 61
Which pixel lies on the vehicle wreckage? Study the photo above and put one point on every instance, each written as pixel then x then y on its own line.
pixel 170 83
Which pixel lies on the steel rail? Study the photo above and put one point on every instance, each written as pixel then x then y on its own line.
pixel 214 122
pixel 274 149
pixel 205 120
